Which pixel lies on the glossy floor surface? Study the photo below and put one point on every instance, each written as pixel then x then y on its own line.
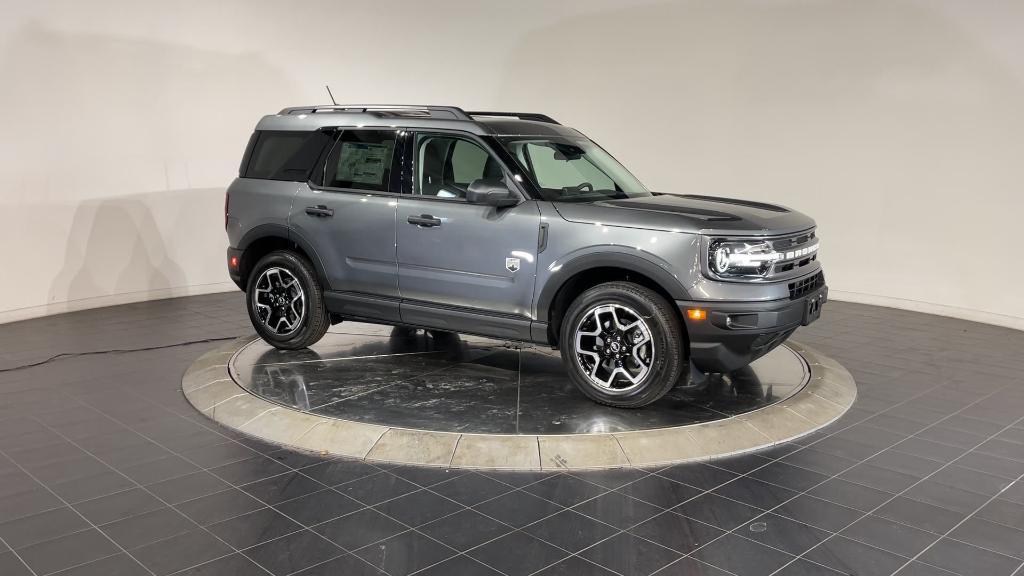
pixel 105 469
pixel 447 382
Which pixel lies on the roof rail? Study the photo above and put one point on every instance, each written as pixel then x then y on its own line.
pixel 521 115
pixel 451 112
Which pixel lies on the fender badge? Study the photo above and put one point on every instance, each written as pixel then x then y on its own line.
pixel 512 264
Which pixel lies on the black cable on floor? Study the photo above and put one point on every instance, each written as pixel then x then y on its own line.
pixel 112 351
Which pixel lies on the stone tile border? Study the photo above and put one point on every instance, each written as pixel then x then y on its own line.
pixel 829 392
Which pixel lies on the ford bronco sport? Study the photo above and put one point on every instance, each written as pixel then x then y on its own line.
pixel 510 226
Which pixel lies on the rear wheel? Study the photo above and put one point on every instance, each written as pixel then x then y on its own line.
pixel 285 301
pixel 622 344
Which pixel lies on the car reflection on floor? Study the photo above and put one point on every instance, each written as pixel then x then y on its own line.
pixel 450 382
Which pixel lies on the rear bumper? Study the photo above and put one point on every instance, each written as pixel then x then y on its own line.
pixel 735 334
pixel 235 272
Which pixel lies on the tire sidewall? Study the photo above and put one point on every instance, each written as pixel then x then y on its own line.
pixel 668 351
pixel 311 292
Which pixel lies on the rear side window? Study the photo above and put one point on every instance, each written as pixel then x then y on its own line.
pixel 362 160
pixel 280 155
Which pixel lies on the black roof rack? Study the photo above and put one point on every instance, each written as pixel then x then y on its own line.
pixel 451 112
pixel 420 111
pixel 521 115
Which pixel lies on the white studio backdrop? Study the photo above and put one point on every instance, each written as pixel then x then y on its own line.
pixel 898 125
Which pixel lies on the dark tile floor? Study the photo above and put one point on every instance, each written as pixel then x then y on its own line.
pixel 105 469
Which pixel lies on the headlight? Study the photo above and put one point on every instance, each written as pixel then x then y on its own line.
pixel 737 259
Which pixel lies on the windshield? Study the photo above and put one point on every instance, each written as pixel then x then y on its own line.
pixel 572 169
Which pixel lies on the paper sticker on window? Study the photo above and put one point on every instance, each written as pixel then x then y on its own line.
pixel 364 163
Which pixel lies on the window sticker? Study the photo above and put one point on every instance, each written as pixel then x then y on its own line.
pixel 364 163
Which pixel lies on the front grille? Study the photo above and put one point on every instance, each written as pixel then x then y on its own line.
pixel 801 288
pixel 790 246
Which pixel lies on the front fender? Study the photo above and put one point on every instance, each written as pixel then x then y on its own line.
pixel 559 272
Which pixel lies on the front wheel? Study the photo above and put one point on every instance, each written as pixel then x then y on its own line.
pixel 622 345
pixel 285 301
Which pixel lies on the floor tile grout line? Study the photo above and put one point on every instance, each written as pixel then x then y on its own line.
pixel 833 434
pixel 783 486
pixel 698 560
pixel 233 486
pixel 947 444
pixel 1015 529
pixel 573 508
pixel 230 484
pixel 66 503
pixel 218 559
pixel 81 564
pixel 618 532
pixel 1000 523
pixel 372 506
pixel 520 529
pixel 973 469
pixel 965 519
pixel 138 485
pixel 257 454
pixel 781 459
pixel 894 496
pixel 16 555
pixel 865 515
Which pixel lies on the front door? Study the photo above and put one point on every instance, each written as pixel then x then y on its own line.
pixel 461 266
pixel 348 215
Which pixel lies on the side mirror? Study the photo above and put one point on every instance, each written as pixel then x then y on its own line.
pixel 490 193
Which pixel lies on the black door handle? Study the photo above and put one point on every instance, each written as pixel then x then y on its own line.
pixel 425 220
pixel 320 211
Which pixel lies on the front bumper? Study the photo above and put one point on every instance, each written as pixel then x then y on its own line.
pixel 734 334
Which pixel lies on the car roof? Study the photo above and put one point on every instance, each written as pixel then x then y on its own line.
pixel 415 117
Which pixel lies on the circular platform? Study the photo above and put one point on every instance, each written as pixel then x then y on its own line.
pixel 415 397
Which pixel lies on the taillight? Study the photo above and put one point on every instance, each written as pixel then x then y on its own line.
pixel 227 204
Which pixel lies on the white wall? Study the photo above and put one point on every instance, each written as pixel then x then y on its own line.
pixel 898 125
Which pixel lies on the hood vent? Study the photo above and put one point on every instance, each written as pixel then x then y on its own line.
pixel 700 213
pixel 738 202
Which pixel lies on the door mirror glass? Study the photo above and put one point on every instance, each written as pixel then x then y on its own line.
pixel 490 193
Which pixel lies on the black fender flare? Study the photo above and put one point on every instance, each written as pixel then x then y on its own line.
pixel 630 262
pixel 287 234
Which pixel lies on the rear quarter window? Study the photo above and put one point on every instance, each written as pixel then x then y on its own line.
pixel 285 155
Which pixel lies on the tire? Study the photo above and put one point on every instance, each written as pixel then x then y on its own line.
pixel 616 367
pixel 284 285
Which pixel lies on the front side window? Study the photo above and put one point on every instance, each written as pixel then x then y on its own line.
pixel 446 165
pixel 572 169
pixel 362 160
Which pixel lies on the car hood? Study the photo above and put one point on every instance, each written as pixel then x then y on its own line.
pixel 694 214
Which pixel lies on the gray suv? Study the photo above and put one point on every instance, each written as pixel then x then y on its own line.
pixel 510 226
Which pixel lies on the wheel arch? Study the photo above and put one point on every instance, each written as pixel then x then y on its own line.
pixel 580 274
pixel 267 238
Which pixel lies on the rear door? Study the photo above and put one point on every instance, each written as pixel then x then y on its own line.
pixel 462 266
pixel 347 213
